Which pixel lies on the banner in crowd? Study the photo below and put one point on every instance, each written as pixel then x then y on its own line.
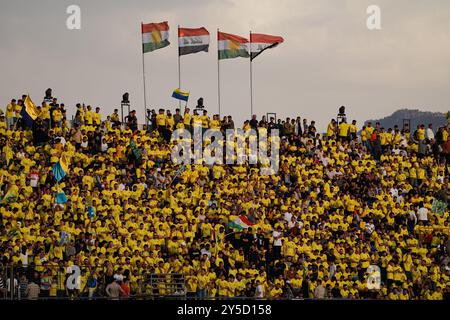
pixel 240 223
pixel 439 207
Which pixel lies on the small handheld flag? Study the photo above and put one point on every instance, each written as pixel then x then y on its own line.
pixel 58 171
pixel 91 212
pixel 61 197
pixel 29 112
pixel 180 95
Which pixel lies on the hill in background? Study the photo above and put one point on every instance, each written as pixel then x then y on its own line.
pixel 416 117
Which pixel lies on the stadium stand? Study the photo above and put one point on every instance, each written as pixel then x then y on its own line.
pixel 345 209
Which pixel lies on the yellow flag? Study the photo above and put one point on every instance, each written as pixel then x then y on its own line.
pixel 30 108
pixel 64 162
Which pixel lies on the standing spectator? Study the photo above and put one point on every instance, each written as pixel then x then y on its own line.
pixel 10 114
pixel 430 133
pixel 46 283
pixel 12 286
pixel 411 221
pixel 114 290
pixel 298 126
pixel 32 292
pixel 277 242
pixel 3 290
pixel 126 289
pixel 319 291
pixel 254 122
pixel 422 214
pixel 132 121
pixel 259 292
pixel 177 118
pixel 23 284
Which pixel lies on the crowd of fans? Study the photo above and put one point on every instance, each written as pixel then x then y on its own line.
pixel 342 203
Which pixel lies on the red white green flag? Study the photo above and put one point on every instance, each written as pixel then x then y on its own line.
pixel 232 46
pixel 240 223
pixel 155 36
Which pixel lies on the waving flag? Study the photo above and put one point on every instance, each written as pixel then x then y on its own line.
pixel 29 112
pixel 240 223
pixel 64 161
pixel 180 95
pixel 91 212
pixel 232 46
pixel 192 40
pixel 60 197
pixel 11 196
pixel 261 42
pixel 58 172
pixel 155 36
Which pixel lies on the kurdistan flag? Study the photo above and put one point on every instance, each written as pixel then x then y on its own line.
pixel 231 46
pixel 155 36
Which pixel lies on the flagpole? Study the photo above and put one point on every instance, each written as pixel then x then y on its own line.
pixel 179 66
pixel 251 78
pixel 143 73
pixel 218 72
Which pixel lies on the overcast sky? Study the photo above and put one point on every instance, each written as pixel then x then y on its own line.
pixel 329 57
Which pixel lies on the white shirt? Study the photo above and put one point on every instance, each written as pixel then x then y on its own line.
pixel 430 133
pixel 259 291
pixel 423 214
pixel 24 258
pixel 277 242
pixel 287 216
pixel 204 251
pixel 62 140
pixel 413 216
pixel 370 228
pixel 394 192
pixel 8 284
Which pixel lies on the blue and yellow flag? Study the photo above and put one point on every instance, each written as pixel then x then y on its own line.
pixel 61 168
pixel 29 112
pixel 61 197
pixel 180 95
pixel 58 171
pixel 64 161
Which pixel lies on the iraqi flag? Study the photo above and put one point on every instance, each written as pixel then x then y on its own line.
pixel 232 46
pixel 155 36
pixel 192 40
pixel 261 42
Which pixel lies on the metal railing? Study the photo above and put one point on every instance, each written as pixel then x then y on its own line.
pixel 61 282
